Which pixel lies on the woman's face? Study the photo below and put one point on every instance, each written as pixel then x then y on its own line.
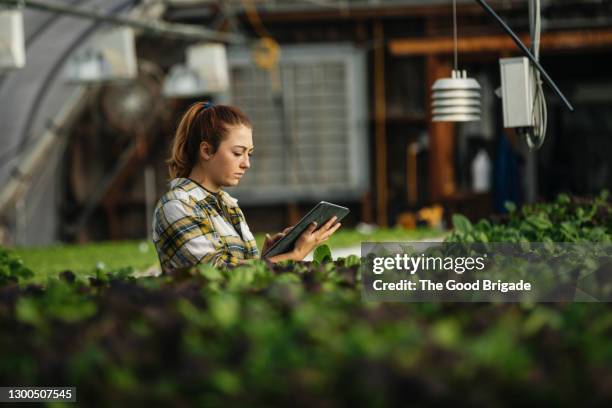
pixel 231 161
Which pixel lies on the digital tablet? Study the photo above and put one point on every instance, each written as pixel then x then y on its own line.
pixel 321 213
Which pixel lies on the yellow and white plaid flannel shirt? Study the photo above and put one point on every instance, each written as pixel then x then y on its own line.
pixel 189 227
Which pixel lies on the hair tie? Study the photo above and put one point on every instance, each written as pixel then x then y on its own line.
pixel 208 105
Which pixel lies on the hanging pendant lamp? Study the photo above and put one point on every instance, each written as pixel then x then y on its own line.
pixel 455 99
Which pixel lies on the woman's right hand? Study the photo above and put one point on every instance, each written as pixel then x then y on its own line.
pixel 312 237
pixel 271 240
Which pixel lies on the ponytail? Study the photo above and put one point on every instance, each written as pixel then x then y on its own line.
pixel 202 122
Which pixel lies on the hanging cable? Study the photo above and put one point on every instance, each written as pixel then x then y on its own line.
pixel 525 51
pixel 254 19
pixel 535 137
pixel 455 32
pixel 455 99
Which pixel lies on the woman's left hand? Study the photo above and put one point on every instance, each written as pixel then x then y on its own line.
pixel 271 240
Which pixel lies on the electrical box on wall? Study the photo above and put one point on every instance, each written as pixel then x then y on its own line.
pixel 517 92
pixel 12 45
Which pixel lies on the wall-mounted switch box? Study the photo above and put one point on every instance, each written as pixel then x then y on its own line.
pixel 517 92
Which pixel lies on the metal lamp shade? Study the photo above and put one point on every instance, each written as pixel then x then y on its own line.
pixel 182 82
pixel 456 99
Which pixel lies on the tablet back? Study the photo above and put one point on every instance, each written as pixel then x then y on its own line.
pixel 321 213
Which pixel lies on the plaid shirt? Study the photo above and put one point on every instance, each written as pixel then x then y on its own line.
pixel 191 226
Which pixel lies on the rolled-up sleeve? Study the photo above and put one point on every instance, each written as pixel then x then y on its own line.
pixel 184 237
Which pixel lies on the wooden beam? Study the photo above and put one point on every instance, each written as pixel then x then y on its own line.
pixel 559 40
pixel 356 12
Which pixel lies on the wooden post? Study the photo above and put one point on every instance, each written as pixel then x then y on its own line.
pixel 412 192
pixel 293 213
pixel 380 130
pixel 112 197
pixel 441 136
pixel 113 221
pixel 366 208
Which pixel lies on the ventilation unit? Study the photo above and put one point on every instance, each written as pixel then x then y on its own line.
pixel 311 137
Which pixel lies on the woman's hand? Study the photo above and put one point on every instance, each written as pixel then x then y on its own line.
pixel 271 240
pixel 311 238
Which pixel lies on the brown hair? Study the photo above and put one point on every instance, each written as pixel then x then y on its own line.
pixel 202 122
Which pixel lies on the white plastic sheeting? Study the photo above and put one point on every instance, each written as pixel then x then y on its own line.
pixel 30 100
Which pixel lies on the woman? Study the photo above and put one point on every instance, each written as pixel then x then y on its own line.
pixel 197 222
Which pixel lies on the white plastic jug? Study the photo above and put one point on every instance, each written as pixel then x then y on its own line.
pixel 481 172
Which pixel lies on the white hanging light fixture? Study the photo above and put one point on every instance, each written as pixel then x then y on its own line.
pixel 455 99
pixel 109 56
pixel 12 44
pixel 183 82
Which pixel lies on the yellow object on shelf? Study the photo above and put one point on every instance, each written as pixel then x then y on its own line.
pixel 432 215
pixel 407 220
